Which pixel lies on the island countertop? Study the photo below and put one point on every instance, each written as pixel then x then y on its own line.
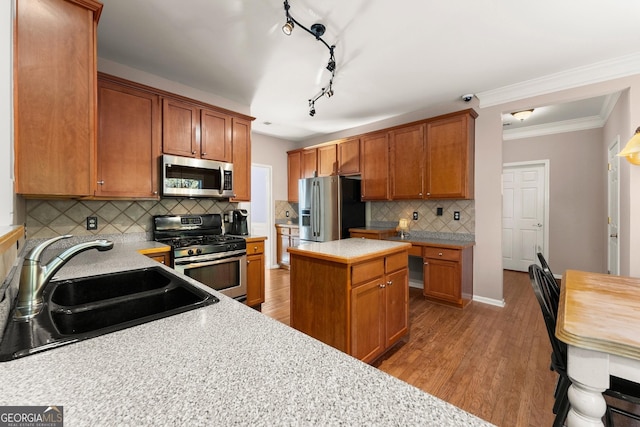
pixel 348 251
pixel 225 364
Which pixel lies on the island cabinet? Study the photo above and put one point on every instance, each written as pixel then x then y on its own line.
pixel 448 274
pixel 255 271
pixel 55 97
pixel 129 139
pixel 351 294
pixel 288 236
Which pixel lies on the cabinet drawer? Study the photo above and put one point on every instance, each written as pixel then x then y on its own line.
pixel 415 251
pixel 442 253
pixel 255 248
pixel 294 231
pixel 365 271
pixel 396 262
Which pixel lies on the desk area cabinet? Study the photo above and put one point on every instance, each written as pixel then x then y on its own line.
pixel 288 236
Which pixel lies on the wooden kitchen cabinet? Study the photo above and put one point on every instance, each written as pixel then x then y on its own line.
pixel 309 163
pixel 288 236
pixel 327 160
pixel 450 156
pixel 349 156
pixel 192 131
pixel 55 97
pixel 359 307
pixel 294 173
pixel 448 274
pixel 407 162
pixel 129 129
pixel 379 308
pixel 241 158
pixel 375 166
pixel 255 271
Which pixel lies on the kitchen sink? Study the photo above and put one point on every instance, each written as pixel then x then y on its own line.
pixel 87 307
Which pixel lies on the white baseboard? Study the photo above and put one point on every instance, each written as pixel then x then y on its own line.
pixel 490 301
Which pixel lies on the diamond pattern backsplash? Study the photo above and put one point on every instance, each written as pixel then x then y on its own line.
pixel 427 218
pixel 50 218
pixel 282 206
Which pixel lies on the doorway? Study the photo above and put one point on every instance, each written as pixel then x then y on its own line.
pixel 613 203
pixel 262 209
pixel 525 213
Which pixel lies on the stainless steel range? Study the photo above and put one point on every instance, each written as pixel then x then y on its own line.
pixel 202 252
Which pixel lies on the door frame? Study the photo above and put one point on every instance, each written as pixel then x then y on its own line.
pixel 270 249
pixel 615 143
pixel 545 164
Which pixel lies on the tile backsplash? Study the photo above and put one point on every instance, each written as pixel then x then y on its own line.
pixel 281 209
pixel 50 218
pixel 428 220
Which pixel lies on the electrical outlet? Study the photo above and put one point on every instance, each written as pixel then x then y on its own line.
pixel 456 216
pixel 415 215
pixel 92 223
pixel 286 214
pixel 438 211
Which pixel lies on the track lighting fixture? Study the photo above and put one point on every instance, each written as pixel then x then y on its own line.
pixel 317 30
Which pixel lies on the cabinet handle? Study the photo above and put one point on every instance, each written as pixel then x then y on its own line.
pixel 426 263
pixel 193 152
pixel 204 154
pixel 428 194
pixel 390 282
pixel 155 193
pixel 255 249
pixel 439 253
pixel 248 261
pixel 101 182
pixel 382 285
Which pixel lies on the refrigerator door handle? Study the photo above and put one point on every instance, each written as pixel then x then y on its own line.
pixel 315 207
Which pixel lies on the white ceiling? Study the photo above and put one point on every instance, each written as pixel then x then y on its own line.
pixel 392 57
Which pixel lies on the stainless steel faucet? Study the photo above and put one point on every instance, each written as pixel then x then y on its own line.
pixel 34 277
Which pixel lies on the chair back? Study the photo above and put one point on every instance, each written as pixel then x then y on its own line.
pixel 555 289
pixel 548 301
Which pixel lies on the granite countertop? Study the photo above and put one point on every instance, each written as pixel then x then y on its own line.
pixel 424 238
pixel 224 364
pixel 348 250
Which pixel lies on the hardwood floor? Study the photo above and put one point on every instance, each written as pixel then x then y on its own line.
pixel 490 361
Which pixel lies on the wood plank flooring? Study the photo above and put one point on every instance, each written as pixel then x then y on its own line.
pixel 490 361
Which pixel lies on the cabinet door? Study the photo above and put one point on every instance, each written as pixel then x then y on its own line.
pixel 294 173
pixel 180 127
pixel 375 167
pixel 309 163
pixel 215 136
pixel 241 140
pixel 327 160
pixel 128 142
pixel 55 103
pixel 349 157
pixel 406 160
pixel 255 280
pixel 442 279
pixel 450 157
pixel 367 320
pixel 396 306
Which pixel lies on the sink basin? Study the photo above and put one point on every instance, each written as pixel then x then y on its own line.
pixel 87 307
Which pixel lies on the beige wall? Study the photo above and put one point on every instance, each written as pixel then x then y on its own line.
pixel 577 194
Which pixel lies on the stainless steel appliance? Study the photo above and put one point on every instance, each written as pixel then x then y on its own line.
pixel 189 177
pixel 239 225
pixel 328 207
pixel 201 251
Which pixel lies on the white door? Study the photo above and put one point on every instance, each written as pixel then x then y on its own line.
pixel 262 207
pixel 613 262
pixel 524 214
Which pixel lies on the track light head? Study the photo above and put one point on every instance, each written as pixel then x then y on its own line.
pixel 288 27
pixel 329 93
pixel 331 65
pixel 312 112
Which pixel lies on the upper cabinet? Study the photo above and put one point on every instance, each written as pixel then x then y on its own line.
pixel 241 158
pixel 55 97
pixel 129 129
pixel 349 156
pixel 406 162
pixel 309 163
pixel 180 128
pixel 375 166
pixel 294 173
pixel 327 160
pixel 450 156
pixel 216 135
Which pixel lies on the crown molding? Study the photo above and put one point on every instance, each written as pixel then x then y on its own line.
pixel 585 123
pixel 594 73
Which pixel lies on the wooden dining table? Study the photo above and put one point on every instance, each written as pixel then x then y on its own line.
pixel 599 319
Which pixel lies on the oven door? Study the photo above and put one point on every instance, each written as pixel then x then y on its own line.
pixel 226 275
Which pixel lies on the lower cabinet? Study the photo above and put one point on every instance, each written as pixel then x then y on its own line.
pixel 448 274
pixel 255 271
pixel 359 308
pixel 288 237
pixel 163 257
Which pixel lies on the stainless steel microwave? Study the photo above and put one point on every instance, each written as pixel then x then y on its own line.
pixel 189 177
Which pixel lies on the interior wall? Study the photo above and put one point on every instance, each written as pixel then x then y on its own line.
pixel 576 195
pixel 6 137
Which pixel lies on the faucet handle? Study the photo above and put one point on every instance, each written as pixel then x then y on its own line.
pixel 35 253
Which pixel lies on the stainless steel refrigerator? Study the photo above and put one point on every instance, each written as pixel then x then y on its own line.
pixel 328 207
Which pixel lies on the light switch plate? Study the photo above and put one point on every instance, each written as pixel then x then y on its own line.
pixel 415 215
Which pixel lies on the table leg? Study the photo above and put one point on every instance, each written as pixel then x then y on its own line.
pixel 587 406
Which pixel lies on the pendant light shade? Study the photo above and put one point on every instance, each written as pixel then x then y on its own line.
pixel 631 151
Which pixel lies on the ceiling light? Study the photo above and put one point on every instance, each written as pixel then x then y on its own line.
pixel 522 115
pixel 317 30
pixel 631 151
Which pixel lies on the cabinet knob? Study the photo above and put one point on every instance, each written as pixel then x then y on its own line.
pixel 204 154
pixel 426 263
pixel 255 249
pixel 439 253
pixel 101 182
pixel 382 285
pixel 248 261
pixel 390 282
pixel 155 193
pixel 193 152
pixel 428 194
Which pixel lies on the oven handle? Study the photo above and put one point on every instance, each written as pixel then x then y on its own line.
pixel 210 260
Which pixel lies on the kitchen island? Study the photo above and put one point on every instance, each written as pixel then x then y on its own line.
pixel 351 294
pixel 224 364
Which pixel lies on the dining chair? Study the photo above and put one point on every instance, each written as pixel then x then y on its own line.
pixel 543 287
